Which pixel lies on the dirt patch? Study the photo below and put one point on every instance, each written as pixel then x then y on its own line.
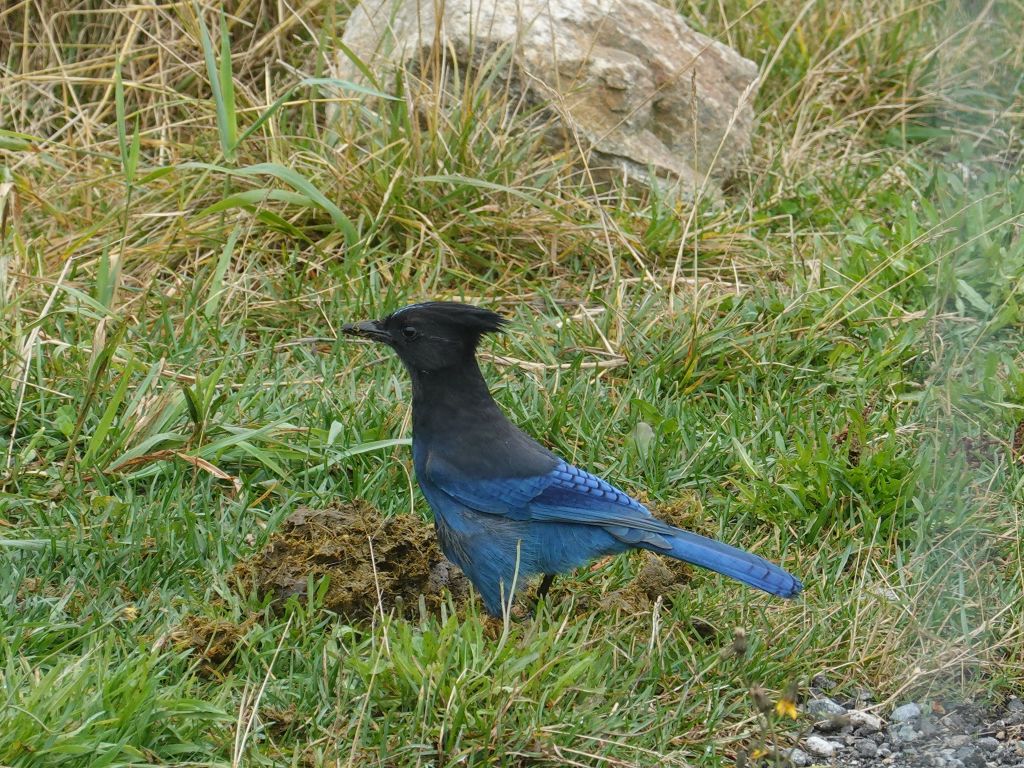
pixel 982 449
pixel 658 576
pixel 370 562
pixel 1017 446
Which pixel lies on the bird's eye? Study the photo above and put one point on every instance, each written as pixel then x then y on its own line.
pixel 410 333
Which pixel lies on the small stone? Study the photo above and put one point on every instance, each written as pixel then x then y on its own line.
pixel 819 747
pixel 832 725
pixel 798 757
pixel 865 747
pixel 906 734
pixel 970 757
pixel 906 713
pixel 863 696
pixel 825 706
pixel 987 744
pixel 867 722
pixel 1014 704
pixel 884 750
pixel 822 683
pixel 957 741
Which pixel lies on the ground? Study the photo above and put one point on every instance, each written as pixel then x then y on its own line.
pixel 823 365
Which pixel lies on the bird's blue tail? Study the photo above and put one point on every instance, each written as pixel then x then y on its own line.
pixel 732 562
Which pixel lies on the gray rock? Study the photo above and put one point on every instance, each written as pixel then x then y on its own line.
pixel 832 724
pixel 906 734
pixel 825 706
pixel 628 79
pixel 970 757
pixel 865 721
pixel 1014 704
pixel 905 713
pixel 798 757
pixel 865 747
pixel 819 747
pixel 822 682
pixel 987 744
pixel 862 697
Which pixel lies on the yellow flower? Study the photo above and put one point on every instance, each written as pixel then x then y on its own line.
pixel 787 704
pixel 785 707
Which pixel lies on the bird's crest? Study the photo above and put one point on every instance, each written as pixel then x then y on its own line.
pixel 466 317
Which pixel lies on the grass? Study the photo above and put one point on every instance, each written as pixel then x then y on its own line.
pixel 825 366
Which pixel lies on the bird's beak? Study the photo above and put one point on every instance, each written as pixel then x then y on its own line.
pixel 367 329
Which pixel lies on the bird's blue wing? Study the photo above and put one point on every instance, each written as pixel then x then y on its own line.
pixel 506 496
pixel 566 494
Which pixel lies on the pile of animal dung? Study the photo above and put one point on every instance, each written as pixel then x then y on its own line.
pixel 370 562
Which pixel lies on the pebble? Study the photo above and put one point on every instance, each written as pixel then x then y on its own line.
pixel 905 713
pixel 865 747
pixel 906 734
pixel 987 744
pixel 798 757
pixel 831 725
pixel 867 722
pixel 970 757
pixel 819 747
pixel 821 682
pixel 1014 704
pixel 825 706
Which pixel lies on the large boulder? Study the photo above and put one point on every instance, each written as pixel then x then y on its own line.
pixel 628 79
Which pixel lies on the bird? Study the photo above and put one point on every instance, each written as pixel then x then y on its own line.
pixel 507 509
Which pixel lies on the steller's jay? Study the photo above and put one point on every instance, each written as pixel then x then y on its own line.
pixel 506 509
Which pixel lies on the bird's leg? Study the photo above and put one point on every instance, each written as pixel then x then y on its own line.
pixel 545 585
pixel 542 590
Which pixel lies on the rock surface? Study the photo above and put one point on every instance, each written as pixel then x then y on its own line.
pixel 628 79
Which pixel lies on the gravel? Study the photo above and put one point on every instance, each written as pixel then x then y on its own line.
pixel 848 733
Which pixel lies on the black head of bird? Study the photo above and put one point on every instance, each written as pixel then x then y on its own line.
pixel 431 336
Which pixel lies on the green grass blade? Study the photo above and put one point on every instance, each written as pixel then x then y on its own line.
pixel 217 287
